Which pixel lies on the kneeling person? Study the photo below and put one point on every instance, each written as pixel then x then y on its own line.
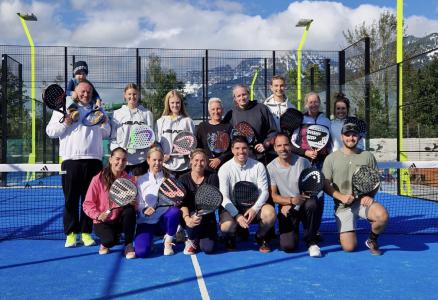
pixel 243 168
pixel 284 172
pixel 338 170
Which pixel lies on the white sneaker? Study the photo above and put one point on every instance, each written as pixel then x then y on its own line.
pixel 168 245
pixel 314 251
pixel 190 247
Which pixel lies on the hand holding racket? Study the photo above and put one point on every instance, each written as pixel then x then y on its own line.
pixel 207 199
pixel 365 182
pixel 311 183
pixel 183 144
pixel 94 117
pixel 55 98
pixel 317 137
pixel 122 192
pixel 218 142
pixel 140 137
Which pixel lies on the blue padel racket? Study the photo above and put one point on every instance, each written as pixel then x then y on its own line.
pixel 94 117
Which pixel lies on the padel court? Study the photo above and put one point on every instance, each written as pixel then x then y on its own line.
pixel 35 265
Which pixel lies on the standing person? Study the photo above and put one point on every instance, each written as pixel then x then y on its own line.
pixel 81 150
pixel 96 205
pixel 338 170
pixel 278 102
pixel 243 168
pixel 201 230
pixel 255 114
pixel 151 220
pixel 312 116
pixel 124 120
pixel 341 108
pixel 284 172
pixel 213 125
pixel 173 121
pixel 80 73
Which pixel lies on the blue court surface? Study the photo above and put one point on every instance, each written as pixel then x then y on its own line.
pixel 44 269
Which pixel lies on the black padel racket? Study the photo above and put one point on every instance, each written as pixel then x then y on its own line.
pixel 207 199
pixel 365 182
pixel 244 129
pixel 290 120
pixel 311 183
pixel 184 143
pixel 218 142
pixel 140 137
pixel 170 193
pixel 245 195
pixel 361 125
pixel 54 97
pixel 94 117
pixel 122 192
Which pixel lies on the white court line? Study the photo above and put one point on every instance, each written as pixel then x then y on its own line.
pixel 201 282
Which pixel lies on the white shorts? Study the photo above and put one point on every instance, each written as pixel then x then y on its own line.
pixel 346 217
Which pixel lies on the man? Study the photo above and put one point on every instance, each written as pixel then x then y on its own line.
pixel 243 168
pixel 255 114
pixel 81 150
pixel 284 172
pixel 278 102
pixel 338 170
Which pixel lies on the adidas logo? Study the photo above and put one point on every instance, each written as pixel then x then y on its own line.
pixel 44 168
pixel 413 166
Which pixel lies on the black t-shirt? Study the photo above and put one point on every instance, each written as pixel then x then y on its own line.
pixel 191 189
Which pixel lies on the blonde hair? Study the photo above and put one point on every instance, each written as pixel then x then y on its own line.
pixel 213 100
pixel 130 86
pixel 198 151
pixel 170 94
pixel 153 150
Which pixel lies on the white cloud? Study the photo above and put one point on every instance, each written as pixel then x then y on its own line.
pixel 180 24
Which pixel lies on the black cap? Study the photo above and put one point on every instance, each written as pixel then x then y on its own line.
pixel 350 127
pixel 80 66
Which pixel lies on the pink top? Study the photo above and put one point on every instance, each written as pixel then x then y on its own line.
pixel 97 200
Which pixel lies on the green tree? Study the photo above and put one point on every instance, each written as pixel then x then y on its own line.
pixel 157 84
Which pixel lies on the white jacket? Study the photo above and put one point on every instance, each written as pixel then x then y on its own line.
pixel 277 108
pixel 167 129
pixel 77 141
pixel 122 122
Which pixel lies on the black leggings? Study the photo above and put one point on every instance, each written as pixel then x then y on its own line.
pixel 109 232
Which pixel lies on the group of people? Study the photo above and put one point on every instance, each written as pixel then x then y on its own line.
pixel 273 162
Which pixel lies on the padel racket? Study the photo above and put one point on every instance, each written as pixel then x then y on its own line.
pixel 170 193
pixel 94 117
pixel 183 143
pixel 311 183
pixel 140 137
pixel 207 199
pixel 54 97
pixel 290 120
pixel 218 142
pixel 245 195
pixel 365 182
pixel 361 125
pixel 122 192
pixel 244 129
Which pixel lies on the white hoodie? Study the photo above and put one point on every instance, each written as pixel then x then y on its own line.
pixel 122 122
pixel 277 108
pixel 167 129
pixel 77 141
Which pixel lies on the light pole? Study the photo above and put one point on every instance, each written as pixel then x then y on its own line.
pixel 301 23
pixel 23 19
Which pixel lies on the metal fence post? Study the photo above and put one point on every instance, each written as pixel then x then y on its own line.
pixel 327 87
pixel 4 83
pixel 367 88
pixel 341 70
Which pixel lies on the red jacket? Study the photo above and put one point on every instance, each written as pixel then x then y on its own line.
pixel 97 200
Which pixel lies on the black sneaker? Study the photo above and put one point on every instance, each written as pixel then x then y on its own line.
pixel 230 243
pixel 374 248
pixel 243 233
pixel 263 245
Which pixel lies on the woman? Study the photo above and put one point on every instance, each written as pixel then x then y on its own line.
pixel 312 116
pixel 341 108
pixel 215 111
pixel 107 226
pixel 173 121
pixel 124 119
pixel 150 220
pixel 201 231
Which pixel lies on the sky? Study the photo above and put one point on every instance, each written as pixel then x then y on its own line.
pixel 202 24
